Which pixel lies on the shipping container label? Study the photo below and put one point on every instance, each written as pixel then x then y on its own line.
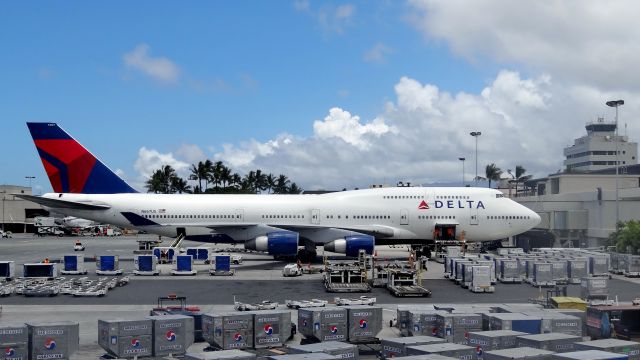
pixel 12 332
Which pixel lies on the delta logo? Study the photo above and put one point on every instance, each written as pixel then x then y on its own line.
pixel 135 343
pixel 237 337
pixel 50 344
pixel 363 324
pixel 9 351
pixel 268 329
pixel 333 329
pixel 170 335
pixel 423 205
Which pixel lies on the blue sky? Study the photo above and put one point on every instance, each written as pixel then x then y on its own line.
pixel 122 76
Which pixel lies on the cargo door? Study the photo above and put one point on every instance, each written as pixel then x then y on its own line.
pixel 315 216
pixel 473 216
pixel 404 217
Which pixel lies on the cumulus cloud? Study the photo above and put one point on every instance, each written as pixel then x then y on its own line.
pixel 377 53
pixel 419 135
pixel 190 153
pixel 150 160
pixel 583 42
pixel 331 19
pixel 158 68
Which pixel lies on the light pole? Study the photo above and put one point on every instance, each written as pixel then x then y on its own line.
pixel 476 134
pixel 3 192
pixel 616 104
pixel 462 159
pixel 30 178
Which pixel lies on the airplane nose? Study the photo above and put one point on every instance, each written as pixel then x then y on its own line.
pixel 535 218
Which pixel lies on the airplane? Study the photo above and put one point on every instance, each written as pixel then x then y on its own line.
pixel 342 222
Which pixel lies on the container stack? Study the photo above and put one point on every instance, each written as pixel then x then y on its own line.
pixel 454 327
pixel 323 324
pixel 172 334
pixel 126 338
pixel 53 340
pixel 556 342
pixel 14 339
pixel 271 328
pixel 229 330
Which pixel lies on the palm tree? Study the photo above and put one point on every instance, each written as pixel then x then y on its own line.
pixel 236 180
pixel 160 181
pixel 225 176
pixel 180 185
pixel 520 176
pixel 154 183
pixel 215 173
pixel 199 173
pixel 282 183
pixel 261 181
pixel 294 189
pixel 271 182
pixel 249 181
pixel 493 173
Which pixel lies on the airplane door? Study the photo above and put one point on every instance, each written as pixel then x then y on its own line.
pixel 473 216
pixel 404 217
pixel 240 215
pixel 315 216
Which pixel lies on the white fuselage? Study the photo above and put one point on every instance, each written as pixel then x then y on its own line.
pixel 395 215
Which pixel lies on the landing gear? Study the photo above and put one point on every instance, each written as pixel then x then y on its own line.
pixel 422 250
pixel 306 256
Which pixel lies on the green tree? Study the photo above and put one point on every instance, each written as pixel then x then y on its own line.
pixel 271 182
pixel 492 173
pixel 180 185
pixel 261 181
pixel 160 181
pixel 225 176
pixel 627 236
pixel 294 189
pixel 200 172
pixel 282 184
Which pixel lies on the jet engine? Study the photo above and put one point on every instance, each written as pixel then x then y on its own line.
pixel 279 243
pixel 351 245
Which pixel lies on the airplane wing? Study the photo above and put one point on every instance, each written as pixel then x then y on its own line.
pixel 63 204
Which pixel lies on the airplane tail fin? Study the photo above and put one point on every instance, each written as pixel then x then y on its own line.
pixel 72 168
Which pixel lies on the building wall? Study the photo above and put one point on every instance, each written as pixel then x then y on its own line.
pixel 13 211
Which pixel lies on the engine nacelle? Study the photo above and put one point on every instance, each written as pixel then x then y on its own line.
pixel 351 245
pixel 279 243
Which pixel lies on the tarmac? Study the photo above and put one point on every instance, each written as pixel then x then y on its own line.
pixel 258 278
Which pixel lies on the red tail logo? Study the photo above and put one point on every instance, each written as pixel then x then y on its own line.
pixel 423 205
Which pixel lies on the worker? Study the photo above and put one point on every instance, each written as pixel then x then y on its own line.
pixel 46 260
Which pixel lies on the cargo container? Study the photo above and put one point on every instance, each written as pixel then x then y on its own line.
pixel 467 274
pixel 199 254
pixel 364 323
pixel 518 353
pixel 221 265
pixel 508 271
pixel 53 340
pixel 397 347
pixel 484 341
pixel 589 355
pixel 336 348
pixel 556 342
pixel 492 269
pixel 426 322
pixel 7 270
pixel 629 348
pixel 516 322
pixel 73 265
pixel 458 351
pixel 108 265
pixel 428 357
pixel 145 265
pixel 126 338
pixel 453 251
pixel 404 315
pixel 542 274
pixel 221 355
pixel 577 269
pixel 481 279
pixel 40 270
pixel 454 327
pixel 229 330
pixel 183 265
pixel 172 334
pixel 164 254
pixel 271 328
pixel 14 334
pixel 559 271
pixel 323 324
pixel 598 265
pixel 632 265
pixel 307 356
pixel 459 270
pixel 594 288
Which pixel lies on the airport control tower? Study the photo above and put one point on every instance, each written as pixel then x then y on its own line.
pixel 597 150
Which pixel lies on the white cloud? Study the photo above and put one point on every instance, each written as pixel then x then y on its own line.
pixel 377 53
pixel 331 19
pixel 340 124
pixel 158 68
pixel 191 153
pixel 584 42
pixel 301 5
pixel 150 160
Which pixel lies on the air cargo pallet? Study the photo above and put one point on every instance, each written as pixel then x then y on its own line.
pixel 575 281
pixel 409 291
pixel 183 273
pixel 213 272
pixel 347 287
pixel 510 280
pixel 73 272
pixel 109 272
pixel 543 283
pixel 146 273
pixel 482 289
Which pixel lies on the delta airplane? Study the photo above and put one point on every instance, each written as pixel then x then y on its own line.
pixel 342 222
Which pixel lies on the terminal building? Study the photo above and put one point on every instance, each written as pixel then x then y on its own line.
pixel 17 215
pixel 578 206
